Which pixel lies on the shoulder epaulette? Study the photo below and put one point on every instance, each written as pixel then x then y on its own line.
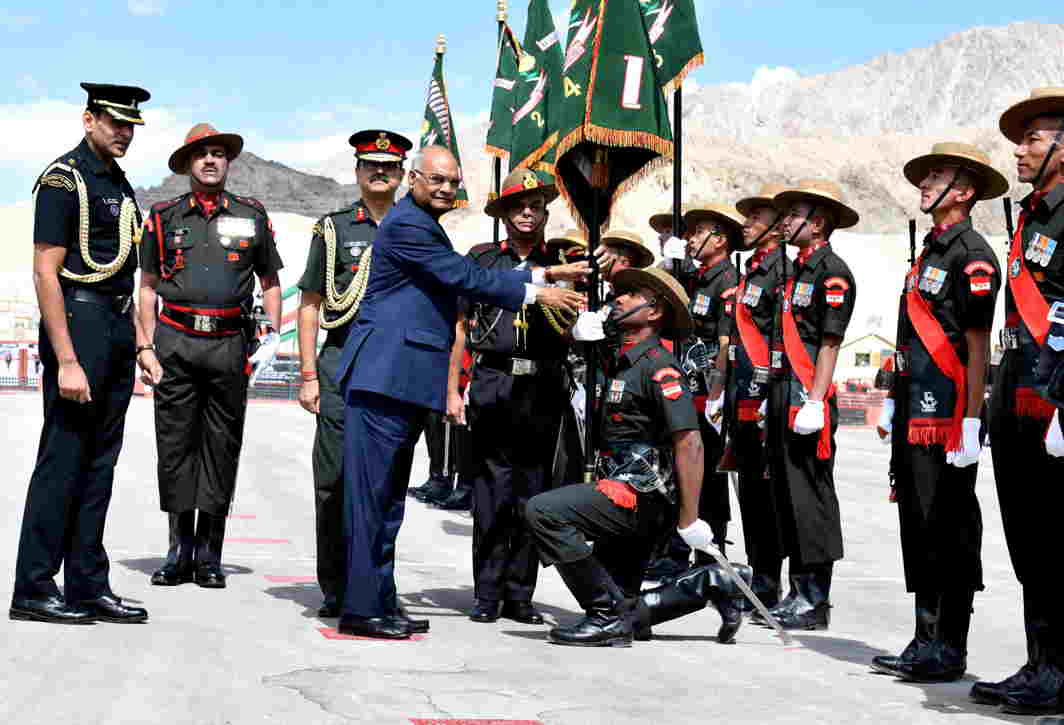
pixel 479 250
pixel 253 203
pixel 164 205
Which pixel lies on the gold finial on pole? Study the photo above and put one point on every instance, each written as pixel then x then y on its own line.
pixel 502 11
pixel 441 44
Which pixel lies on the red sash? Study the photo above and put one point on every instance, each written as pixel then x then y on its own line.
pixel 804 369
pixel 926 431
pixel 1029 301
pixel 754 343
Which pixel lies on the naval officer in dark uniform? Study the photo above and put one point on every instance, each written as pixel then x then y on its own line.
pixel 86 225
pixel 338 251
pixel 201 254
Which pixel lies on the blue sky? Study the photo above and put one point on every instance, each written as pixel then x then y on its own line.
pixel 296 78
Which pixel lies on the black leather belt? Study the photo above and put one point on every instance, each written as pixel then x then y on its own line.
pixel 205 324
pixel 120 304
pixel 518 366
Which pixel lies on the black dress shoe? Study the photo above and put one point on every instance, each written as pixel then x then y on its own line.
pixel 522 612
pixel 818 617
pixel 485 610
pixel 435 491
pixel 600 628
pixel 937 662
pixel 172 575
pixel 993 693
pixel 459 500
pixel 210 576
pixel 1042 694
pixel 329 610
pixel 109 608
pixel 375 627
pixel 51 609
pixel 417 626
pixel 889 664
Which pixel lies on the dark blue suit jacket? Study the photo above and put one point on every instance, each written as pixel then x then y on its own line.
pixel 400 345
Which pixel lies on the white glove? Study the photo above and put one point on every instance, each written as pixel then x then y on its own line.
pixel 1055 438
pixel 699 537
pixel 970 445
pixel 268 345
pixel 674 248
pixel 713 412
pixel 762 414
pixel 810 418
pixel 886 420
pixel 588 326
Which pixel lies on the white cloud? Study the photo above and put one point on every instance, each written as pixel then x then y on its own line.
pixel 15 23
pixel 147 7
pixel 39 132
pixel 765 77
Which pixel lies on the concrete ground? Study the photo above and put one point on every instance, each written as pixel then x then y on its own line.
pixel 255 652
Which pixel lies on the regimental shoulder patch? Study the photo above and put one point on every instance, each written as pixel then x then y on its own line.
pixel 837 283
pixel 835 291
pixel 979 266
pixel 980 285
pixel 666 374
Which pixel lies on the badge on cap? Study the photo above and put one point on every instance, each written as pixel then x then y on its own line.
pixel 383 144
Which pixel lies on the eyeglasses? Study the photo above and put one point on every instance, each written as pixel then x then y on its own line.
pixel 437 180
pixel 390 166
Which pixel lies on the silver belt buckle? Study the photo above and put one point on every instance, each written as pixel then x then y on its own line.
pixel 760 375
pixel 204 323
pixel 777 359
pixel 1010 338
pixel 520 366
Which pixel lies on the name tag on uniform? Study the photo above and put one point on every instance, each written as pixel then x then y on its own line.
pixel 229 226
pixel 751 296
pixel 932 279
pixel 701 305
pixel 616 391
pixel 803 294
pixel 1041 249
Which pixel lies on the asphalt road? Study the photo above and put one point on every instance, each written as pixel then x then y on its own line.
pixel 255 652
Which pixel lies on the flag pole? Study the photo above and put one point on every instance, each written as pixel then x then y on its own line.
pixel 677 159
pixel 599 181
pixel 496 164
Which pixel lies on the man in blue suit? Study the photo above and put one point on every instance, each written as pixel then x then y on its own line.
pixel 393 371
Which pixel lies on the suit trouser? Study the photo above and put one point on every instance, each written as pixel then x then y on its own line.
pixel 70 489
pixel 565 519
pixel 200 407
pixel 379 438
pixel 327 461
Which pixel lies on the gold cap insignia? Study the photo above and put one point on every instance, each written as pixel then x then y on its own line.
pixel 383 143
pixel 531 181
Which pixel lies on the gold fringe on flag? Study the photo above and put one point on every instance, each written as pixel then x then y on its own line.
pixel 678 79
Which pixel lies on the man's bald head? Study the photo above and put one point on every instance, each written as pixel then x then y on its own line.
pixel 434 179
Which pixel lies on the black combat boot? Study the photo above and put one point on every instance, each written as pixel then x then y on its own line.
pixel 607 622
pixel 946 658
pixel 210 534
pixel 1043 691
pixel 691 592
pixel 180 559
pixel 926 610
pixel 460 499
pixel 783 606
pixel 811 608
pixel 435 491
pixel 766 585
pixel 993 693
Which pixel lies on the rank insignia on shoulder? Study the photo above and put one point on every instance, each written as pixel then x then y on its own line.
pixel 361 215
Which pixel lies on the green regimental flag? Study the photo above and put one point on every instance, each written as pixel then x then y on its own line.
pixel 502 96
pixel 539 93
pixel 437 128
pixel 614 125
pixel 673 32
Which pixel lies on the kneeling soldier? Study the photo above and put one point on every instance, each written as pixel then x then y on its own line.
pixel 649 427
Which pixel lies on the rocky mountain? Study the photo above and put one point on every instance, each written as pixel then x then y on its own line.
pixel 278 187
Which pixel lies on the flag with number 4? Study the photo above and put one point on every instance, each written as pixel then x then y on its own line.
pixel 614 126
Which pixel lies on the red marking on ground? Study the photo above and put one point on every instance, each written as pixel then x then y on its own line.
pixel 241 516
pixel 291 579
pixel 331 633
pixel 253 540
pixel 467 721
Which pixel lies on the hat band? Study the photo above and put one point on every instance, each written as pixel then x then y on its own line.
pixel 200 137
pixel 372 147
pixel 518 189
pixel 112 104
